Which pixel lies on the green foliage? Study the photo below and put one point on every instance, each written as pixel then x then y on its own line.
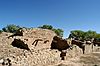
pixel 1 31
pixel 97 36
pixel 77 34
pixel 81 35
pixel 46 27
pixel 90 34
pixel 58 31
pixel 11 28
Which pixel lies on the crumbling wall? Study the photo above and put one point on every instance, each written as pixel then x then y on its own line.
pixel 74 52
pixel 15 48
pixel 88 48
pixel 24 58
pixel 35 38
pixel 38 38
pixel 77 51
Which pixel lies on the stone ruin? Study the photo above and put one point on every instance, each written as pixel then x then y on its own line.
pixel 34 47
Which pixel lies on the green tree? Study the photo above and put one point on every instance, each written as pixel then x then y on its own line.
pixel 81 35
pixel 77 34
pixel 90 34
pixel 97 36
pixel 46 27
pixel 59 32
pixel 11 28
pixel 1 31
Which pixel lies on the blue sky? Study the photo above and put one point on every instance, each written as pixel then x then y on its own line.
pixel 65 14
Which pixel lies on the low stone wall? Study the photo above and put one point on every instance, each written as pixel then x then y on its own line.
pixel 76 51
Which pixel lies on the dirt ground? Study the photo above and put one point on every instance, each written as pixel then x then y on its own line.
pixel 92 59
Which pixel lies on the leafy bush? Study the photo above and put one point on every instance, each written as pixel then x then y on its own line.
pixel 77 34
pixel 90 34
pixel 81 35
pixel 59 32
pixel 11 28
pixel 46 27
pixel 1 31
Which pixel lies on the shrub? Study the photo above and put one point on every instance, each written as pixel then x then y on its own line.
pixel 11 28
pixel 1 31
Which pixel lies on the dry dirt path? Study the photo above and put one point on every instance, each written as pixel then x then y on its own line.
pixel 92 59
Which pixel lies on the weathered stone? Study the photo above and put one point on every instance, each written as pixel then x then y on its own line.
pixel 15 48
pixel 38 41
